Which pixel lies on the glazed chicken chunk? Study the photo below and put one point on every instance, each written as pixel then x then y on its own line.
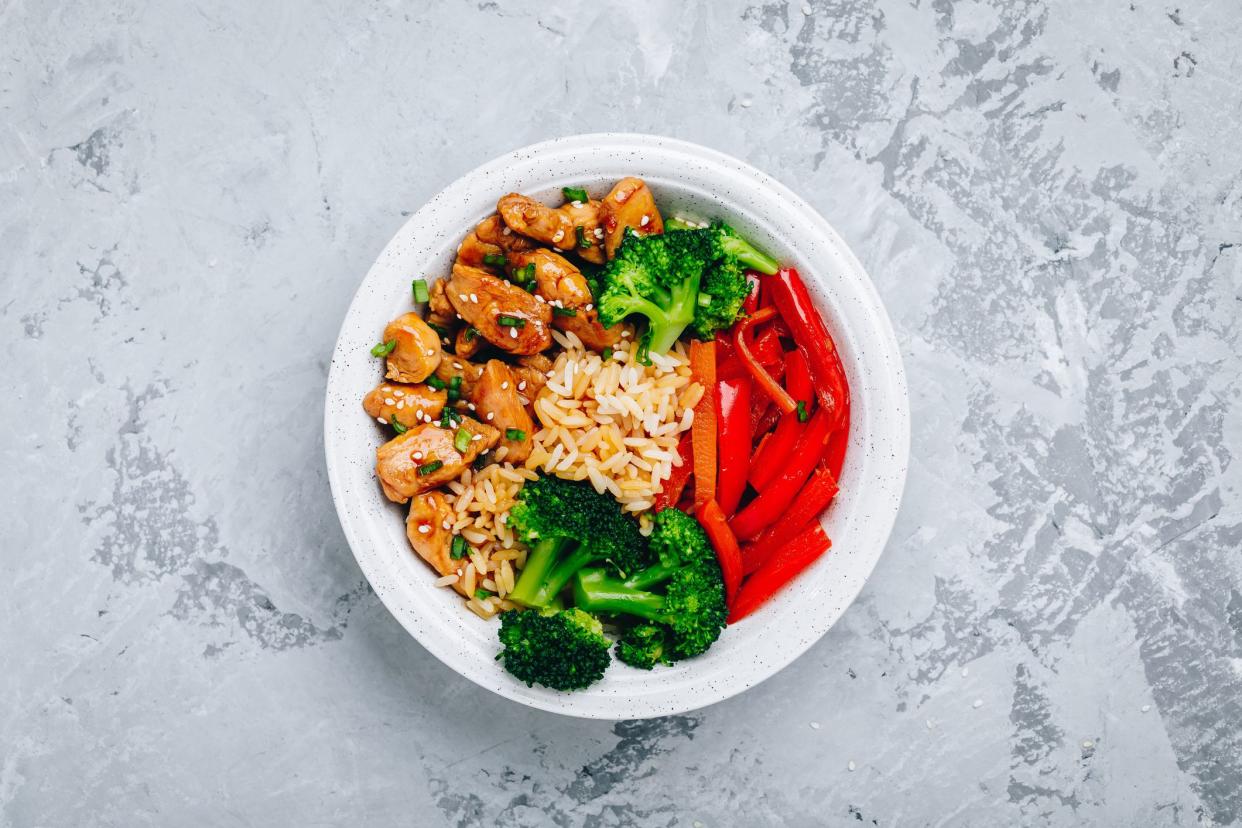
pixel 431 538
pixel 505 315
pixel 498 402
pixel 629 205
pixel 416 351
pixel 558 281
pixel 426 457
pixel 490 242
pixel 568 227
pixel 402 405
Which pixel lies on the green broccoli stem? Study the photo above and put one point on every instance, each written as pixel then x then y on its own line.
pixel 749 255
pixel 560 574
pixel 667 325
pixel 651 576
pixel 679 224
pixel 596 591
pixel 541 560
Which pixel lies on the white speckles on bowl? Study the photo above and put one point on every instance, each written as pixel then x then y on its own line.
pixel 689 180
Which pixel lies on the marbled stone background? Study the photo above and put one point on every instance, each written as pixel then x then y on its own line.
pixel 1048 195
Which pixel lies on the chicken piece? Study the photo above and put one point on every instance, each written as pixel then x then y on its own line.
pixel 497 401
pixel 491 237
pixel 404 406
pixel 469 372
pixel 556 279
pixel 589 246
pixel 486 302
pixel 559 282
pixel 553 226
pixel 468 342
pixel 406 464
pixel 538 362
pixel 630 204
pixel 417 350
pixel 532 374
pixel 437 301
pixel 427 533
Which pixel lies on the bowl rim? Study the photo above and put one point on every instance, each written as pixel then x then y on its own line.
pixel 891 385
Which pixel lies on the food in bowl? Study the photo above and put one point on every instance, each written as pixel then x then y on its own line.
pixel 614 431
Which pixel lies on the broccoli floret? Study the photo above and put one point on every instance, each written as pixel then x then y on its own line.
pixel 564 650
pixel 678 279
pixel 682 594
pixel 642 646
pixel 569 525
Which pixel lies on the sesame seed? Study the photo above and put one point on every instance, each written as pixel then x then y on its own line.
pixel 431 352
pixel 508 231
pixel 522 385
pixel 400 404
pixel 476 437
pixel 557 249
pixel 622 196
pixel 423 528
pixel 513 333
pixel 644 221
pixel 504 385
pixel 599 232
pixel 746 102
pixel 625 334
pixel 814 725
pixel 590 306
pixel 539 298
pixel 1087 743
pixel 463 297
pixel 457 365
pixel 577 204
pixel 852 767
pixel 418 455
pixel 445 524
pixel 491 415
pixel 560 234
pixel 389 401
pixel 474 297
pixel 398 392
pixel 381 421
pixel 978 703
pixel 507 283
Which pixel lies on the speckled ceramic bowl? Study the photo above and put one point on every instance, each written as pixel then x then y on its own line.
pixel 687 180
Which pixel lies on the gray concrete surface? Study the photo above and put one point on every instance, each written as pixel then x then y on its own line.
pixel 1048 195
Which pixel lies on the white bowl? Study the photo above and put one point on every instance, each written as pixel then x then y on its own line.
pixel 687 180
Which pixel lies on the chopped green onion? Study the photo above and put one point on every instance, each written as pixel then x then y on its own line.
pixel 435 382
pixel 557 310
pixel 494 260
pixel 803 414
pixel 583 241
pixel 440 329
pixel 427 468
pixel 454 389
pixel 575 194
pixel 525 274
pixel 482 594
pixel 471 333
pixel 515 434
pixel 459 548
pixel 461 441
pixel 607 353
pixel 510 321
pixel 384 348
pixel 449 418
pixel 421 293
pixel 704 299
pixel 396 425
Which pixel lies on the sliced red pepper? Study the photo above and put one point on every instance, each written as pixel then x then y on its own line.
pixel 751 303
pixel 776 452
pixel 767 348
pixel 671 491
pixel 703 431
pixel 762 378
pixel 733 443
pixel 764 510
pixel 779 570
pixel 806 507
pixel 834 458
pixel 727 552
pixel 810 333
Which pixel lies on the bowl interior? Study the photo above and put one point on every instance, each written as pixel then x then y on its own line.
pixel 688 181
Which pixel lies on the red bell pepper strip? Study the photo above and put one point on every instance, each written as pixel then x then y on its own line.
pixel 778 571
pixel 671 491
pixel 776 452
pixel 713 520
pixel 790 296
pixel 751 303
pixel 834 458
pixel 762 378
pixel 806 507
pixel 767 348
pixel 733 443
pixel 776 497
pixel 703 431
